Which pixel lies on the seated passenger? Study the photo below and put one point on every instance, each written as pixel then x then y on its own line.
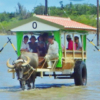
pixel 70 43
pixel 41 49
pixel 45 39
pixel 40 38
pixel 52 51
pixel 78 44
pixel 25 45
pixel 33 45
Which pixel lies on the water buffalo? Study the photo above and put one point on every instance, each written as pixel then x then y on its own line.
pixel 25 68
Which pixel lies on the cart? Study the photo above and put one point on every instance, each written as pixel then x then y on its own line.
pixel 71 64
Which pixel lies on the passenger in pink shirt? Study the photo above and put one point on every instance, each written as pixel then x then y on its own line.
pixel 70 43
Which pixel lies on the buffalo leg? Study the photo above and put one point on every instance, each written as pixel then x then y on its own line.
pixel 20 82
pixel 28 84
pixel 33 79
pixel 23 85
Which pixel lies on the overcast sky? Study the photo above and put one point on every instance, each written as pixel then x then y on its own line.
pixel 10 5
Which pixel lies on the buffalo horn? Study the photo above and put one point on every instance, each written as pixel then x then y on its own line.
pixel 9 65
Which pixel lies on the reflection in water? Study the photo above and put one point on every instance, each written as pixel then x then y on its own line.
pixel 48 88
pixel 37 86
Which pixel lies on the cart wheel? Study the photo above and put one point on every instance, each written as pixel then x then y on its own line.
pixel 80 73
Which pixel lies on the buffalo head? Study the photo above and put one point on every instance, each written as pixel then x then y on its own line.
pixel 20 66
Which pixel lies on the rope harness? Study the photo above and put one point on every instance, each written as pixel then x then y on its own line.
pixel 27 74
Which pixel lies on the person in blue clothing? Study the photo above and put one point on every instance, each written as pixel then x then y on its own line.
pixel 41 48
pixel 33 45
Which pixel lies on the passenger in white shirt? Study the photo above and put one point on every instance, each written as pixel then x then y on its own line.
pixel 25 45
pixel 52 51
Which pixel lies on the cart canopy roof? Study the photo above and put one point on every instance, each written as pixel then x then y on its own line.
pixel 50 23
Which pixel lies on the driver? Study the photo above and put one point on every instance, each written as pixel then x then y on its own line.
pixel 52 51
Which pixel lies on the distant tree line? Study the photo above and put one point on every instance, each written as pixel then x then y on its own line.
pixel 20 13
pixel 85 13
pixel 69 9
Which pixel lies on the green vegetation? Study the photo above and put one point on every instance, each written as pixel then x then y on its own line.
pixel 84 13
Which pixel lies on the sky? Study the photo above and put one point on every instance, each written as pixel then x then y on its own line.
pixel 11 5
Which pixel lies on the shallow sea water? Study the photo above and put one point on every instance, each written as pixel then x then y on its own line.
pixel 48 88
